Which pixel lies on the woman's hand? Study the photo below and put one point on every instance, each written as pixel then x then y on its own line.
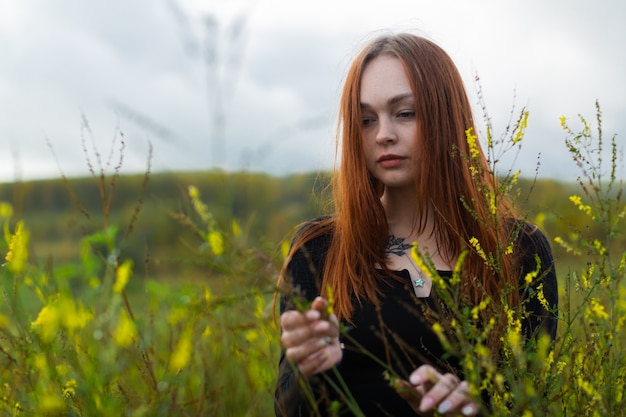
pixel 311 341
pixel 429 390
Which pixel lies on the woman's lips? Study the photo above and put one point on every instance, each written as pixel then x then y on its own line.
pixel 390 161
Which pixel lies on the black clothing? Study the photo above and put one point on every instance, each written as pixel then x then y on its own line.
pixel 397 333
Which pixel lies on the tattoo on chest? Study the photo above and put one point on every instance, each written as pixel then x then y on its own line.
pixel 397 246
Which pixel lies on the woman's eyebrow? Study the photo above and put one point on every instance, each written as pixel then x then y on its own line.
pixel 393 100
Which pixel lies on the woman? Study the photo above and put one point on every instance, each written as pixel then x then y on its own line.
pixel 408 173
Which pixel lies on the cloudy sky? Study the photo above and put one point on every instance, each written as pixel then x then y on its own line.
pixel 254 84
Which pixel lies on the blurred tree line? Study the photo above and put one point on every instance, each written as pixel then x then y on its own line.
pixel 268 208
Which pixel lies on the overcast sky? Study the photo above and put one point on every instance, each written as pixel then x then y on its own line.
pixel 254 84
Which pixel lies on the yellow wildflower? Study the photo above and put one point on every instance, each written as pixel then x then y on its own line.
pixel 18 249
pixel 479 250
pixel 69 389
pixel 597 309
pixel 216 242
pixel 480 307
pixel 6 211
pixel 542 298
pixel 235 228
pixel 521 128
pixel 47 322
pixel 182 352
pixel 73 315
pixel 471 141
pixel 51 404
pixel 125 333
pixel 123 276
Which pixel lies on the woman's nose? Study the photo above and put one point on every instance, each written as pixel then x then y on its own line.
pixel 386 133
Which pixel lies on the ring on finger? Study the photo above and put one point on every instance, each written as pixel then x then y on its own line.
pixel 327 340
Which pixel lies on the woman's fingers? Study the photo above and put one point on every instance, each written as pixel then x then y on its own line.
pixel 311 339
pixel 442 392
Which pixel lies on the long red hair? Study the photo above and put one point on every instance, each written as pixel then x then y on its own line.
pixel 451 180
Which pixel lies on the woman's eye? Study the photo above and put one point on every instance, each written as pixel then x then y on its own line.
pixel 366 121
pixel 407 114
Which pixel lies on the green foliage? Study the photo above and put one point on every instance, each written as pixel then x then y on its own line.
pixel 118 346
pixel 166 311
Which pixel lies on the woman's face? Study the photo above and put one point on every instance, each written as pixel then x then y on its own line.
pixel 389 123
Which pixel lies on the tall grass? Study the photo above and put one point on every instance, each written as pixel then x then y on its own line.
pixel 115 341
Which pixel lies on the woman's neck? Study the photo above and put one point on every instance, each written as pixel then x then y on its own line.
pixel 402 209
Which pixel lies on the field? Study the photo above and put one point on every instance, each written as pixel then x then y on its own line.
pixel 150 295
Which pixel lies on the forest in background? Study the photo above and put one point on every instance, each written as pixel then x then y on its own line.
pixel 61 212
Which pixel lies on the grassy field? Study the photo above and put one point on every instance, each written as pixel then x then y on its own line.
pixel 151 295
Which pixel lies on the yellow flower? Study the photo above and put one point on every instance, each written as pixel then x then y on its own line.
pixel 6 211
pixel 73 315
pixel 125 333
pixel 581 206
pixel 521 128
pixel 123 276
pixel 235 228
pixel 216 242
pixel 597 309
pixel 284 249
pixel 18 249
pixel 471 141
pixel 69 389
pixel 480 307
pixel 47 322
pixel 182 352
pixel 479 250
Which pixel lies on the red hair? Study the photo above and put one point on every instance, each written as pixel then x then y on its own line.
pixel 448 181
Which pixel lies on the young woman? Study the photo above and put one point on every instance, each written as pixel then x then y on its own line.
pixel 408 174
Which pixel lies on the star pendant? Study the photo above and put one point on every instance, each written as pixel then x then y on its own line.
pixel 419 282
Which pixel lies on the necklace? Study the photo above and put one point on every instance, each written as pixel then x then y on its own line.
pixel 397 246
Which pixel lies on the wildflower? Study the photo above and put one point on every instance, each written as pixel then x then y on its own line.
pixel 251 335
pixel 542 298
pixel 599 247
pixel 582 207
pixel 207 332
pixel 284 249
pixel 51 404
pixel 216 242
pixel 125 333
pixel 47 323
pixel 123 276
pixel 559 240
pixel 6 211
pixel 521 127
pixel 72 315
pixel 18 249
pixel 480 307
pixel 331 301
pixel 597 310
pixel 69 389
pixel 479 250
pixel 182 352
pixel 456 274
pixel 235 228
pixel 438 329
pixel 471 141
